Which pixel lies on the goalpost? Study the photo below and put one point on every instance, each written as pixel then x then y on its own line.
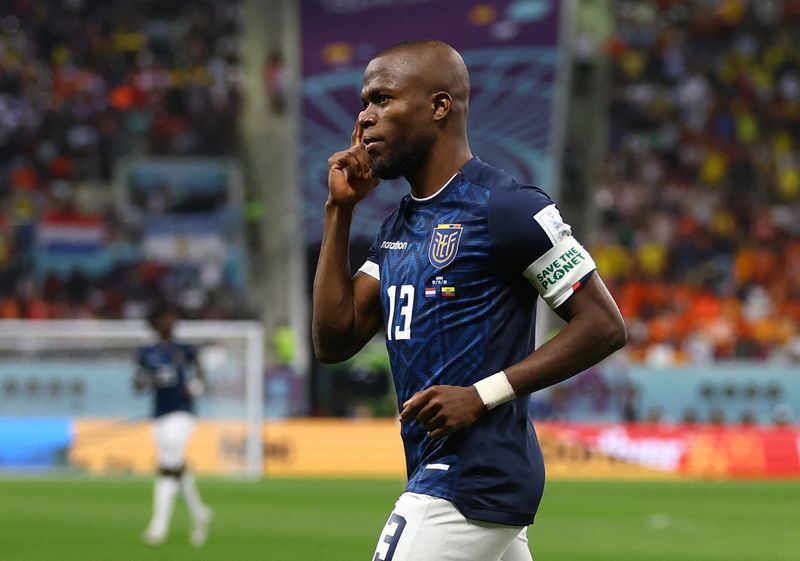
pixel 66 397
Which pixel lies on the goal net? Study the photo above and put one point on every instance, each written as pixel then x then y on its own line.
pixel 67 401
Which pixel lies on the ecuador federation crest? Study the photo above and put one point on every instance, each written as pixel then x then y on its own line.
pixel 444 244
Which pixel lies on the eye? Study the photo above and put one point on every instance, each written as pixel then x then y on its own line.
pixel 377 99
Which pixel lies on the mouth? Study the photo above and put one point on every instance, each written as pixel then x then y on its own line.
pixel 371 141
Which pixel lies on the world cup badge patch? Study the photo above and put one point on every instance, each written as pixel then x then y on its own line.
pixel 444 244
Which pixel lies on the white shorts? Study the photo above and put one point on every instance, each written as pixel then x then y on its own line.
pixel 425 528
pixel 172 432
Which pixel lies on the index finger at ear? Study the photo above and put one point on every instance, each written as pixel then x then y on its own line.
pixel 358 131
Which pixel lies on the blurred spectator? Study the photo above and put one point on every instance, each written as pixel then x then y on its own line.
pixel 700 193
pixel 83 83
pixel 630 404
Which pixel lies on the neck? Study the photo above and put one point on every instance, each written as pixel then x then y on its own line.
pixel 441 166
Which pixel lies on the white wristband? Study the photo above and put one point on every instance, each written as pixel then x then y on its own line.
pixel 495 390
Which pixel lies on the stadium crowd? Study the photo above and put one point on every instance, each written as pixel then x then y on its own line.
pixel 84 83
pixel 699 195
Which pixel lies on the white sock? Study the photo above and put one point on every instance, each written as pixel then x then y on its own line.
pixel 192 496
pixel 164 492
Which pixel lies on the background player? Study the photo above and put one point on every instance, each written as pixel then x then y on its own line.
pixel 164 367
pixel 453 276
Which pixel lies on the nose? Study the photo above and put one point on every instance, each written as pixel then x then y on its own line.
pixel 367 118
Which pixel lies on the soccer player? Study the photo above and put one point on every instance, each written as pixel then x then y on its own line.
pixel 164 368
pixel 453 277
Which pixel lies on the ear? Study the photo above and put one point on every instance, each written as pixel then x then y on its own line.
pixel 441 102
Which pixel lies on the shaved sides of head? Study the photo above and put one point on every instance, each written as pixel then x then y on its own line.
pixel 437 66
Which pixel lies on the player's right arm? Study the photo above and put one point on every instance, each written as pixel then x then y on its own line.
pixel 141 378
pixel 346 309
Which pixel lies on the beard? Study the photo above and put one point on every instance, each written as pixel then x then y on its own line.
pixel 403 157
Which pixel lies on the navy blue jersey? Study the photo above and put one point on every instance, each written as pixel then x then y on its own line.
pixel 165 364
pixel 460 273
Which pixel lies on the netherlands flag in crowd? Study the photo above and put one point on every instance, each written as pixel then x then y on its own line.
pixel 72 233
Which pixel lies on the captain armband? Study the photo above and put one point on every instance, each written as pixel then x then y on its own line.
pixel 495 390
pixel 557 273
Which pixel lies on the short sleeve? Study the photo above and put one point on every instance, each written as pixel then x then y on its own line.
pixel 530 238
pixel 370 266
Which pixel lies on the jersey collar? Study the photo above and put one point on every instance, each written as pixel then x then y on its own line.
pixel 429 198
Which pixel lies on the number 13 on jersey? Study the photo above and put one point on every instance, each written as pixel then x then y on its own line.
pixel 404 304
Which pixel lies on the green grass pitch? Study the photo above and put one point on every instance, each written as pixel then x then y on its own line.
pixel 312 520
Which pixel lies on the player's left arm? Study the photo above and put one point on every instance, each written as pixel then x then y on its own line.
pixel 594 330
pixel 532 238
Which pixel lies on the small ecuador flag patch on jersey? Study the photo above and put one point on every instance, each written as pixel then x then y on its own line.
pixel 430 292
pixel 448 291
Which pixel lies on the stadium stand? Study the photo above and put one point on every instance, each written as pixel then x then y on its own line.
pixel 699 194
pixel 83 84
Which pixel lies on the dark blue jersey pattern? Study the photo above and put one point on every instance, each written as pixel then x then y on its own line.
pixel 165 364
pixel 458 308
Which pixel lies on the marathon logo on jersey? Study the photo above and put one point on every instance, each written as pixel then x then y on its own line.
pixel 394 245
pixel 444 244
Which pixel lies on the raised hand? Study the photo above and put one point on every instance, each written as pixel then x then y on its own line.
pixel 350 176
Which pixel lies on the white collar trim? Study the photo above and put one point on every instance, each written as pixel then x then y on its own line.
pixel 429 197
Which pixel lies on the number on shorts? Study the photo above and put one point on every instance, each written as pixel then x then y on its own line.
pixel 389 538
